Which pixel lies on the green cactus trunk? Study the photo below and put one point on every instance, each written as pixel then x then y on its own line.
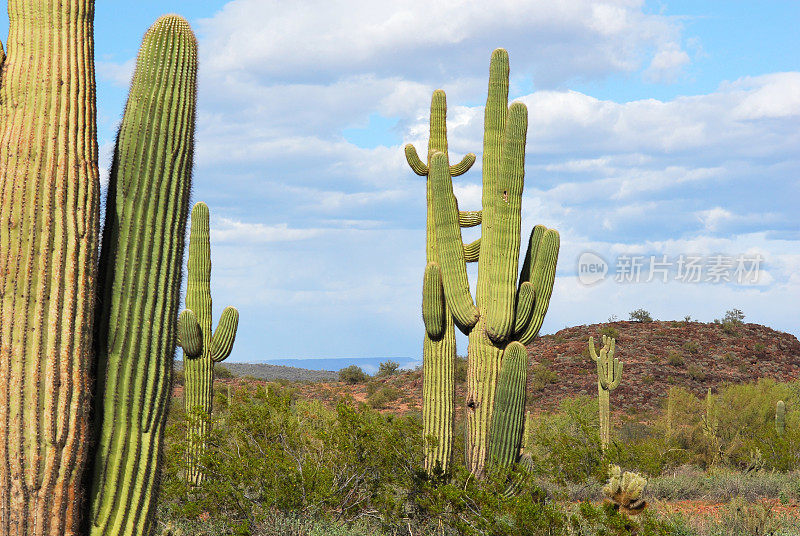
pixel 609 375
pixel 505 311
pixel 780 417
pixel 439 344
pixel 202 348
pixel 49 209
pixel 140 279
pixel 508 420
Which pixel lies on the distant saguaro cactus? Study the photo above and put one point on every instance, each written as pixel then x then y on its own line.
pixel 510 308
pixel 140 280
pixel 201 347
pixel 609 374
pixel 780 417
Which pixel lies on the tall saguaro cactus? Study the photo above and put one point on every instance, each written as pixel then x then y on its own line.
pixel 439 344
pixel 609 374
pixel 49 223
pixel 507 308
pixel 140 279
pixel 201 347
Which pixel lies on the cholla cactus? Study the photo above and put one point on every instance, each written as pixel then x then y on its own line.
pixel 609 374
pixel 625 490
pixel 780 417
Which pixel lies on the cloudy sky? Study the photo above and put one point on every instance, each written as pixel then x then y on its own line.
pixel 655 128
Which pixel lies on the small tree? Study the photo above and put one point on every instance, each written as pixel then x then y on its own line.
pixel 387 368
pixel 640 315
pixel 352 375
pixel 734 316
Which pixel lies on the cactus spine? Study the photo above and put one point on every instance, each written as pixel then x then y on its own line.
pixel 439 343
pixel 505 312
pixel 140 279
pixel 49 223
pixel 609 374
pixel 508 420
pixel 780 417
pixel 202 348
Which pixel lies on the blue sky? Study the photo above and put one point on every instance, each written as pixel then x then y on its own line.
pixel 656 128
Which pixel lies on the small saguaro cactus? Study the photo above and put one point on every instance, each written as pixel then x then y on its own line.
pixel 508 307
pixel 140 279
pixel 201 347
pixel 609 374
pixel 439 343
pixel 780 417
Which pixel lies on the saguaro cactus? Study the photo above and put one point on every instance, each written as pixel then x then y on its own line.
pixel 780 417
pixel 201 348
pixel 439 344
pixel 49 223
pixel 505 312
pixel 140 279
pixel 609 374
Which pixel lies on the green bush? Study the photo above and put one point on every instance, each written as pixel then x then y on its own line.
pixel 353 375
pixel 541 376
pixel 692 347
pixel 222 372
pixel 640 315
pixel 696 372
pixel 675 359
pixel 381 398
pixel 609 331
pixel 388 368
pixel 565 445
pixel 460 369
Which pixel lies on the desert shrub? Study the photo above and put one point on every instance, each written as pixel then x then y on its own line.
pixel 541 376
pixel 696 372
pixel 280 454
pixel 222 373
pixel 609 331
pixel 692 347
pixel 640 315
pixel 352 375
pixel 746 423
pixel 734 316
pixel 388 368
pixel 675 359
pixel 460 369
pixel 383 397
pixel 566 445
pixel 177 377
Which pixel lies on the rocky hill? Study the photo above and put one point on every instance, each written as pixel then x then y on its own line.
pixel 656 355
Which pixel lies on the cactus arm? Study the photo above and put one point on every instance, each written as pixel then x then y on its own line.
pixel 508 418
pixel 417 165
pixel 505 230
pixel 525 299
pixel 543 277
pixel 463 166
pixel 450 245
pixel 472 251
pixel 469 218
pixel 190 336
pixel 592 351
pixel 529 261
pixel 224 335
pixel 433 308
